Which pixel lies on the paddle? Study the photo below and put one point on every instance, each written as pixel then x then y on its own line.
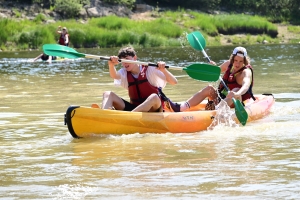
pixel 199 71
pixel 197 41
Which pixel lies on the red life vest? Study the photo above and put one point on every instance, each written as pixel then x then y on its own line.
pixel 139 89
pixel 62 39
pixel 230 81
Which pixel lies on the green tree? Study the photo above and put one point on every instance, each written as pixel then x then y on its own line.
pixel 128 3
pixel 192 4
pixel 276 10
pixel 295 12
pixel 68 9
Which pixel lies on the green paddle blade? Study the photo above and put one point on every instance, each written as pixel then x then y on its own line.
pixel 203 72
pixel 240 112
pixel 61 51
pixel 196 40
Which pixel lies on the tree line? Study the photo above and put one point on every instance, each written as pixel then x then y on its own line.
pixel 276 10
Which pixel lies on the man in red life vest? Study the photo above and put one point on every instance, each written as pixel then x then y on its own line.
pixel 142 83
pixel 64 36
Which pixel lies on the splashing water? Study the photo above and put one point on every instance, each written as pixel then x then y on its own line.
pixel 223 117
pixel 190 51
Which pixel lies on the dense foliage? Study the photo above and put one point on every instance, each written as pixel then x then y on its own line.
pixel 128 3
pixel 168 29
pixel 67 8
pixel 276 10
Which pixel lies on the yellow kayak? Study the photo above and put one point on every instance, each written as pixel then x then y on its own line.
pixel 86 121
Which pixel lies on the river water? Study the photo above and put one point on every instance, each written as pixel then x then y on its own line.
pixel 40 159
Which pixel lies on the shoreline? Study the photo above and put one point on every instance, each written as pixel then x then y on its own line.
pixel 227 40
pixel 284 36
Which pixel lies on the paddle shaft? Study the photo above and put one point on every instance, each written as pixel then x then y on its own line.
pixel 208 60
pixel 64 51
pixel 131 61
pixel 198 71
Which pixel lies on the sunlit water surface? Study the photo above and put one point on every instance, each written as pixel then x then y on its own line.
pixel 40 159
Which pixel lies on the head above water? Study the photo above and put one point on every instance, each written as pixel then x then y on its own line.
pixel 127 51
pixel 241 52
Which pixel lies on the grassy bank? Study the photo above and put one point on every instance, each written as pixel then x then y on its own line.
pixel 163 29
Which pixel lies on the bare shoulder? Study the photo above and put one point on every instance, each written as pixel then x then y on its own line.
pixel 247 72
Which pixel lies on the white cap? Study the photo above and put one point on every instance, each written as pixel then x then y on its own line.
pixel 239 51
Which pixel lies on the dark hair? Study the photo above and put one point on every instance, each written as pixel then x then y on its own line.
pixel 127 51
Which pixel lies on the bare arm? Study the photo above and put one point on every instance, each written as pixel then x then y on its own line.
pixel 112 70
pixel 66 39
pixel 58 30
pixel 170 78
pixel 247 76
pixel 38 57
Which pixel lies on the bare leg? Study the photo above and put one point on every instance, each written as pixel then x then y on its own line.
pixel 208 91
pixel 151 104
pixel 110 100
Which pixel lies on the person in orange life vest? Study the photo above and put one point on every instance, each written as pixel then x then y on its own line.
pixel 142 83
pixel 64 36
pixel 238 76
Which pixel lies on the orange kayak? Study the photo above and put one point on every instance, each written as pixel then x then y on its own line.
pixel 86 121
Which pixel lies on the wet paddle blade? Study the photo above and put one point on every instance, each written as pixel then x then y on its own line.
pixel 196 40
pixel 61 51
pixel 240 112
pixel 203 72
